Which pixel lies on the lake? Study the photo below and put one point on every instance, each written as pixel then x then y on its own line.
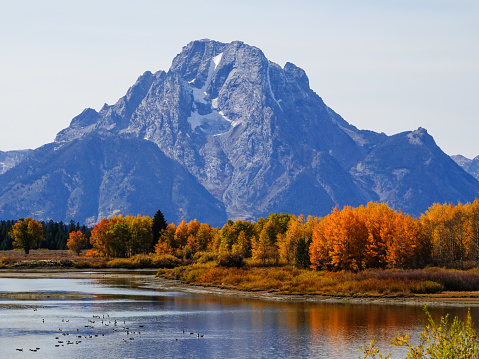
pixel 118 318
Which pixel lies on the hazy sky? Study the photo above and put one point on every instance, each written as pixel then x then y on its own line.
pixel 384 65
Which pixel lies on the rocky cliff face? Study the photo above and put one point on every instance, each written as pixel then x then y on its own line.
pixel 256 139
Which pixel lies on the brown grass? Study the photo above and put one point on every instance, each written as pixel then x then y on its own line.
pixel 45 258
pixel 290 280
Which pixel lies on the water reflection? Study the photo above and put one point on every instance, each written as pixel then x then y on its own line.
pixel 222 327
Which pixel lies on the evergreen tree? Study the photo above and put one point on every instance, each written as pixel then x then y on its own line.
pixel 159 224
pixel 301 258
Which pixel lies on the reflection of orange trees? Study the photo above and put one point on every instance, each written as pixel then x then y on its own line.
pixel 338 323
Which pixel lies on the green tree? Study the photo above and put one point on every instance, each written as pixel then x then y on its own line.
pixel 26 234
pixel 141 234
pixel 301 257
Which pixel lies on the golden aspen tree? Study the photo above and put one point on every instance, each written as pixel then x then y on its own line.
pixel 241 245
pixel 193 227
pixel 166 242
pixel 433 222
pixel 472 228
pixel 204 237
pixel 118 237
pixel 181 235
pixel 141 234
pixel 321 248
pixel 228 237
pixel 26 234
pixel 261 246
pixel 288 242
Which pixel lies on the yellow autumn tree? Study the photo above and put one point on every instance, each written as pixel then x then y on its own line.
pixel 204 237
pixel 288 242
pixel 26 234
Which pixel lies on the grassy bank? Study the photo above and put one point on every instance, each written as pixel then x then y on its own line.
pixel 292 281
pixel 39 259
pixel 206 269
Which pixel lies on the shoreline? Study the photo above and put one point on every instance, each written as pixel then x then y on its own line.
pixel 146 279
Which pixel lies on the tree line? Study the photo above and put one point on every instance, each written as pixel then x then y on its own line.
pixel 55 234
pixel 370 236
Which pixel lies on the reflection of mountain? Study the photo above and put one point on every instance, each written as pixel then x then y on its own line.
pixel 245 136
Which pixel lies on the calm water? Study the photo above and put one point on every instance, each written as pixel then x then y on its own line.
pixel 157 324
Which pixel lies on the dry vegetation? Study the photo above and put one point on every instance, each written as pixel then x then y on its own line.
pixel 209 269
pixel 16 259
pixel 294 281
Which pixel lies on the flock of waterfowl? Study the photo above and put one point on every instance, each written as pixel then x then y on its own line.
pixel 97 326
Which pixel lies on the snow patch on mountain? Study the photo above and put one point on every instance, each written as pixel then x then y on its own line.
pixel 214 123
pixel 200 93
pixel 217 60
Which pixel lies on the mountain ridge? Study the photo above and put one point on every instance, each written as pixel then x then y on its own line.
pixel 258 139
pixel 470 166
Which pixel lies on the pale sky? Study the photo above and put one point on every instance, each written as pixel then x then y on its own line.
pixel 383 65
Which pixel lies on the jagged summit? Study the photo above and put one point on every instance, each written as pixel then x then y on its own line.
pixel 253 135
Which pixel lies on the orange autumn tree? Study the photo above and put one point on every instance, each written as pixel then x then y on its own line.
pixel 338 241
pixel 76 242
pixel 409 246
pixel 99 238
pixel 379 220
pixel 349 237
pixel 166 242
pixel 372 236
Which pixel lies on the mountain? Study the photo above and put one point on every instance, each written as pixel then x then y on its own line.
pixel 100 176
pixel 470 166
pixel 250 136
pixel 10 159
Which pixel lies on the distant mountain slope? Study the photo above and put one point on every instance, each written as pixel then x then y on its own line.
pixel 409 171
pixel 100 176
pixel 9 159
pixel 470 166
pixel 246 134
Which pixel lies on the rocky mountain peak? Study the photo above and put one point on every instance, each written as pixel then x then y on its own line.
pixel 247 136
